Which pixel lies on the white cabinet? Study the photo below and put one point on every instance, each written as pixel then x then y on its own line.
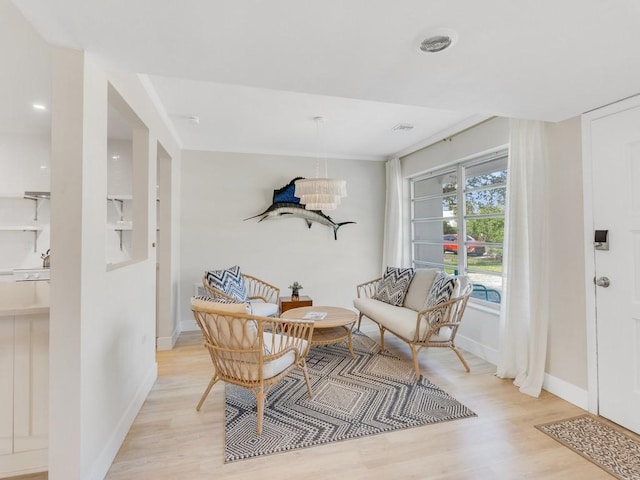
pixel 24 393
pixel 31 383
pixel 6 385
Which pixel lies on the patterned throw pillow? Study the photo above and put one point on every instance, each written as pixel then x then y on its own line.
pixel 230 282
pixel 394 285
pixel 442 290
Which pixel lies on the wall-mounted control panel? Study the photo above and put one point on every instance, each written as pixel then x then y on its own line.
pixel 601 240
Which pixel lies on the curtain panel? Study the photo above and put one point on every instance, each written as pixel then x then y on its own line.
pixel 392 248
pixel 524 316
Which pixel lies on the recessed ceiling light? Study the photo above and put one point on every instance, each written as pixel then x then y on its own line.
pixel 38 106
pixel 439 40
pixel 115 157
pixel 43 167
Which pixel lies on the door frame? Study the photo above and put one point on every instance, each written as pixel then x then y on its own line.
pixel 166 298
pixel 589 252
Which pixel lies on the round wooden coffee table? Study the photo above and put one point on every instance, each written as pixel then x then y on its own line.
pixel 335 327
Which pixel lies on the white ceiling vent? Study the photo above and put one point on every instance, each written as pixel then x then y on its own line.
pixel 439 40
pixel 402 128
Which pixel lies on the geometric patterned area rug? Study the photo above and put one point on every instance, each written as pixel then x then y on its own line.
pixel 611 450
pixel 373 393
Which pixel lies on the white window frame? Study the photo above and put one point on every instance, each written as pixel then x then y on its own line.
pixel 459 168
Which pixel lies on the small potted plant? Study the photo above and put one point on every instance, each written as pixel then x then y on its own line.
pixel 295 290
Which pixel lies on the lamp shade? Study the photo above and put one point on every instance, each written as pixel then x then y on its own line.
pixel 320 201
pixel 320 193
pixel 321 186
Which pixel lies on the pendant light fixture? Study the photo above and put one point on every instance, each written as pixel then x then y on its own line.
pixel 320 193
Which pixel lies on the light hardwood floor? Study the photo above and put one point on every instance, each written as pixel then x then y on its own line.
pixel 170 440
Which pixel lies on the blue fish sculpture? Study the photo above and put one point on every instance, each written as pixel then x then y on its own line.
pixel 285 203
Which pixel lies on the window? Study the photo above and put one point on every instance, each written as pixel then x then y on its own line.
pixel 468 239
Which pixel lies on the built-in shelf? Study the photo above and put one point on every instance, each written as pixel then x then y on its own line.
pixel 119 197
pixel 122 225
pixel 35 196
pixel 24 228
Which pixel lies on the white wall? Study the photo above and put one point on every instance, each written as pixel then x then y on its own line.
pixel 567 348
pixel 21 159
pixel 103 321
pixel 479 333
pixel 485 137
pixel 219 190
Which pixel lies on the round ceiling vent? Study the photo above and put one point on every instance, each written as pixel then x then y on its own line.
pixel 439 40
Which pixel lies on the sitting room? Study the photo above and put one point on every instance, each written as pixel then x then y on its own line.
pixel 344 239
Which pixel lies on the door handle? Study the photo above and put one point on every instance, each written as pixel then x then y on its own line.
pixel 603 282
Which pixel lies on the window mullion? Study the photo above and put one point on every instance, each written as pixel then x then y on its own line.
pixel 460 215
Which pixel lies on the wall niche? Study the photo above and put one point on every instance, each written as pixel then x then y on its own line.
pixel 127 184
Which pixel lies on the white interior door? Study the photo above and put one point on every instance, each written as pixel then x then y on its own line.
pixel 615 160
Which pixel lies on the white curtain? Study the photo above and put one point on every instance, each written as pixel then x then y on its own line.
pixel 524 316
pixel 392 247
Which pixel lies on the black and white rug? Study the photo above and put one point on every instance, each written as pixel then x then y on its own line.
pixel 371 394
pixel 611 450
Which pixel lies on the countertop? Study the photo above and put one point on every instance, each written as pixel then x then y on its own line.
pixel 24 298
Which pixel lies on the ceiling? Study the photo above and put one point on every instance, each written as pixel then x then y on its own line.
pixel 255 73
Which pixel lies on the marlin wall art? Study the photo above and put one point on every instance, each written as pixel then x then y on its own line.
pixel 285 204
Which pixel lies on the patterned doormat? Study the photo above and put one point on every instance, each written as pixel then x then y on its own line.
pixel 371 394
pixel 611 450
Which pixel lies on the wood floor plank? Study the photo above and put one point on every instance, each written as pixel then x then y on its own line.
pixel 170 440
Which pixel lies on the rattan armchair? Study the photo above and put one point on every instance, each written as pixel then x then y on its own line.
pixel 260 292
pixel 252 351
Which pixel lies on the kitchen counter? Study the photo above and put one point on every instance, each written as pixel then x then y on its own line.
pixel 24 298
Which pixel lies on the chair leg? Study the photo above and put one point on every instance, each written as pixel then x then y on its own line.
pixel 464 363
pixel 303 366
pixel 416 365
pixel 359 320
pixel 260 403
pixel 381 336
pixel 213 381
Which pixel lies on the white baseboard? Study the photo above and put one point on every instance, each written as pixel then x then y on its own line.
pixel 102 464
pixel 554 385
pixel 167 343
pixel 566 391
pixel 478 349
pixel 23 463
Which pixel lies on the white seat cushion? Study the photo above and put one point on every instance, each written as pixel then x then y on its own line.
pixel 399 320
pixel 258 307
pixel 273 367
